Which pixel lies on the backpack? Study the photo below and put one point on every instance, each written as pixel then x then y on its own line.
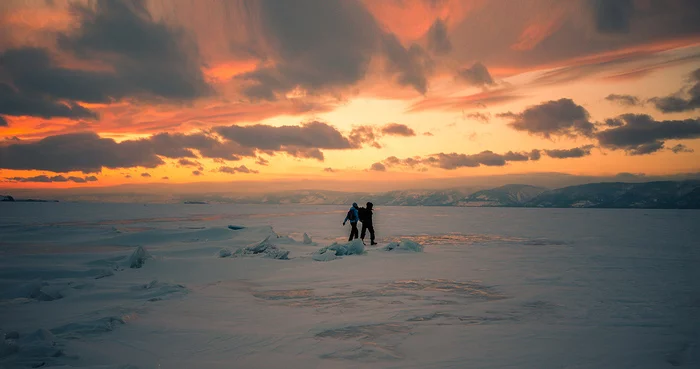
pixel 363 214
pixel 351 216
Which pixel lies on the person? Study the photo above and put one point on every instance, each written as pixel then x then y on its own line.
pixel 353 216
pixel 366 219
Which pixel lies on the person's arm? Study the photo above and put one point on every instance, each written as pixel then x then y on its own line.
pixel 346 219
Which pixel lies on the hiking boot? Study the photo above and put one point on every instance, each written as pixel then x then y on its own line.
pixel 373 243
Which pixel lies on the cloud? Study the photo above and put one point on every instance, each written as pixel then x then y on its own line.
pixel 428 134
pixel 165 178
pixel 395 129
pixel 329 170
pixel 612 16
pixel 677 103
pixel 535 155
pixel 189 163
pixel 146 175
pixel 438 40
pixel 640 134
pixel 412 65
pixel 147 56
pixel 553 118
pixel 85 152
pixel 233 170
pixel 262 161
pixel 315 45
pixel 196 173
pixel 314 134
pixel 680 148
pixel 46 179
pixel 15 103
pixel 576 152
pixel 139 58
pixel 481 117
pixel 3 121
pixel 624 100
pixel 476 75
pixel 364 135
pixel 378 167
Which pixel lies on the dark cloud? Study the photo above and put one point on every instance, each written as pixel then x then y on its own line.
pixel 165 178
pixel 189 163
pixel 482 117
pixel 678 102
pixel 411 65
pixel 553 118
pixel 489 158
pixel 640 134
pixel 262 161
pixel 316 45
pixel 364 135
pixel 85 152
pixel 196 173
pixel 428 134
pixel 147 56
pixel 46 179
pixel 576 152
pixel 476 75
pixel 329 170
pixel 15 103
pixel 304 152
pixel 438 40
pixel 146 175
pixel 624 100
pixel 239 169
pixel 180 145
pixel 309 135
pixel 127 176
pixel 396 129
pixel 378 167
pixel 535 155
pixel 680 148
pixel 612 16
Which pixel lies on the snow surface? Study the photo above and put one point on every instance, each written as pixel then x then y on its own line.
pixel 493 288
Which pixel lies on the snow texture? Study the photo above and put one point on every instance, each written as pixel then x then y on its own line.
pixel 404 245
pixel 496 288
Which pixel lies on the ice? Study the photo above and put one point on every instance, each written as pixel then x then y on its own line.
pixel 307 239
pixel 265 248
pixel 235 227
pixel 492 288
pixel 404 245
pixel 138 257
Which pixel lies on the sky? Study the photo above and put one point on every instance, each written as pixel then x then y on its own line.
pixel 103 93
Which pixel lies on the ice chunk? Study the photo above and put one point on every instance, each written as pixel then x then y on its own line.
pixel 139 257
pixel 264 247
pixel 80 329
pixel 277 253
pixel 224 253
pixel 355 247
pixel 327 255
pixel 235 227
pixel 307 239
pixel 404 245
pixel 12 335
pixel 25 290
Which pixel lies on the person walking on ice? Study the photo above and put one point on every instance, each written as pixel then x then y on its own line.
pixel 353 216
pixel 366 219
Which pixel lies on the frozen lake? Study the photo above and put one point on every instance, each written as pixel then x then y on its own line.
pixel 493 288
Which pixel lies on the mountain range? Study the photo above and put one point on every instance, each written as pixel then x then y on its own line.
pixel 648 195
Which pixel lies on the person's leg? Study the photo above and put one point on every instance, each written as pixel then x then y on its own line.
pixel 354 231
pixel 371 234
pixel 364 231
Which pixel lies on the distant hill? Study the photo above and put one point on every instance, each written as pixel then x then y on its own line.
pixel 508 195
pixel 650 195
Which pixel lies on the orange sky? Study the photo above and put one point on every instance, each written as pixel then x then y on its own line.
pixel 437 82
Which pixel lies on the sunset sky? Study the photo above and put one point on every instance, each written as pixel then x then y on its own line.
pixel 100 93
